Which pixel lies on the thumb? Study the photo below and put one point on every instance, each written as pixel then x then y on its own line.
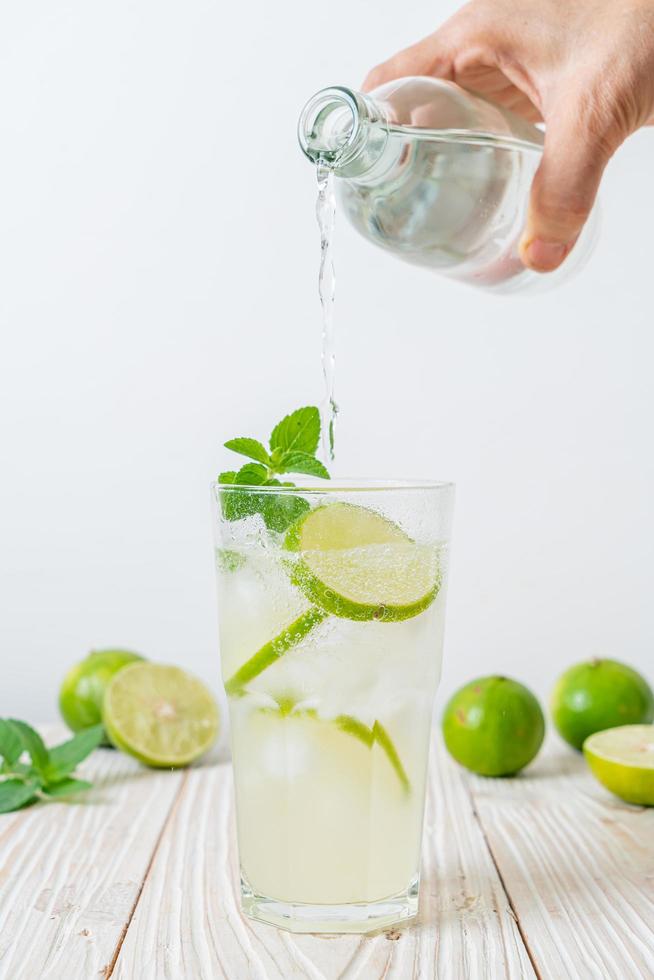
pixel 562 193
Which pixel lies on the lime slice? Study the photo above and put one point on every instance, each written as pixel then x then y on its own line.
pixel 273 650
pixel 622 759
pixel 161 715
pixel 356 564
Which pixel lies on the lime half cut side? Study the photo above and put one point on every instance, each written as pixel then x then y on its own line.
pixel 356 564
pixel 622 759
pixel 159 714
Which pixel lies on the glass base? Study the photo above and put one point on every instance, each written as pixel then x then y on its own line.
pixel 357 917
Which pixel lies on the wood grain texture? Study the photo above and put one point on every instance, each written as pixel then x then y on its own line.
pixel 578 865
pixel 71 873
pixel 188 925
pixel 140 882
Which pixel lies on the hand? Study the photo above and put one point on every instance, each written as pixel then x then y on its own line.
pixel 584 67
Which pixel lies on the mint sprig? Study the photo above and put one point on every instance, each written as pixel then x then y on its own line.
pixel 293 445
pixel 48 774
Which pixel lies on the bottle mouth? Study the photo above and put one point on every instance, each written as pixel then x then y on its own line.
pixel 329 124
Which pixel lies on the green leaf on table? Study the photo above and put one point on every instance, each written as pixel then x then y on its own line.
pixel 15 793
pixel 49 771
pixel 65 787
pixel 300 431
pixel 249 447
pixel 298 462
pixel 11 745
pixel 33 744
pixel 65 757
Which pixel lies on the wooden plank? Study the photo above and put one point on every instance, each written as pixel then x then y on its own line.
pixel 188 924
pixel 71 873
pixel 578 865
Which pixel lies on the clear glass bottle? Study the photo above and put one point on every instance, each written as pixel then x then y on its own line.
pixel 435 175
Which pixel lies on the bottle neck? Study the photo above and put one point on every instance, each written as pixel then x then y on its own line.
pixel 343 130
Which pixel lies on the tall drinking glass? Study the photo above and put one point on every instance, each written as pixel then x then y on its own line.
pixel 331 606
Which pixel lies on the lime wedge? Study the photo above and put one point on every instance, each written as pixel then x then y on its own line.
pixel 161 715
pixel 356 564
pixel 622 759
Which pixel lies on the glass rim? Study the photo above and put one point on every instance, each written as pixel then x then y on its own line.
pixel 342 485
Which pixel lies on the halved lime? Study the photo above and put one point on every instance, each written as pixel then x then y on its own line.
pixel 623 761
pixel 356 564
pixel 82 689
pixel 161 715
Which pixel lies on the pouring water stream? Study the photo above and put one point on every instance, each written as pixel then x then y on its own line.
pixel 325 213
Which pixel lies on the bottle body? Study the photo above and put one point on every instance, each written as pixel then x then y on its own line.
pixel 436 176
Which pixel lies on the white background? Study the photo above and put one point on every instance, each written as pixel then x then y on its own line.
pixel 158 259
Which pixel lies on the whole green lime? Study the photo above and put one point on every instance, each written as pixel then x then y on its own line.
pixel 493 726
pixel 596 695
pixel 82 691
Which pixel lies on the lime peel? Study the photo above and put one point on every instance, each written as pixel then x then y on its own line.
pixel 384 740
pixel 273 650
pixel 350 725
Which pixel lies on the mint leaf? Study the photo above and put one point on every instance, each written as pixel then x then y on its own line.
pixel 65 787
pixel 281 512
pixel 237 505
pixel 298 462
pixel 251 475
pixel 249 447
pixel 65 757
pixel 33 744
pixel 11 746
pixel 300 430
pixel 49 772
pixel 15 793
pixel 228 500
pixel 229 561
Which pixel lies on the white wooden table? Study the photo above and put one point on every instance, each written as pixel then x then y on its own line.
pixel 542 876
